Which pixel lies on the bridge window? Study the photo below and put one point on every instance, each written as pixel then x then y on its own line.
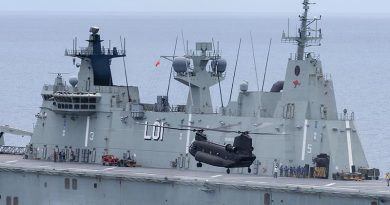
pixel 92 100
pixel 84 100
pixel 76 100
pixel 76 107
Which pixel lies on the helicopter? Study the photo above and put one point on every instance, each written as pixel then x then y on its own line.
pixel 238 155
pixel 228 156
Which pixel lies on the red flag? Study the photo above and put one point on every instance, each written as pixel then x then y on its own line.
pixel 157 63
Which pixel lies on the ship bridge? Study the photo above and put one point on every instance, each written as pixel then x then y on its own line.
pixel 80 103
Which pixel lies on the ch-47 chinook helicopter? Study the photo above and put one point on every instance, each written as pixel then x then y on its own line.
pixel 238 155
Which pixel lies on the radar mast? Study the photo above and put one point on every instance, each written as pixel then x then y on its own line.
pixel 307 36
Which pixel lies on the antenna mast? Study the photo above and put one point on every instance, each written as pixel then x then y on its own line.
pixel 170 74
pixel 235 68
pixel 254 62
pixel 305 37
pixel 123 47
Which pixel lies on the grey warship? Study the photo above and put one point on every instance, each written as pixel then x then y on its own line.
pixel 79 124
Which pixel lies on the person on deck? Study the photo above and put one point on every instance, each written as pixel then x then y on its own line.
pixel 281 170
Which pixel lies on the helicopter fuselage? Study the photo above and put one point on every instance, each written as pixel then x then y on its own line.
pixel 218 155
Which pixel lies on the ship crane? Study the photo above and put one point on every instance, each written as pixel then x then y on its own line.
pixel 7 129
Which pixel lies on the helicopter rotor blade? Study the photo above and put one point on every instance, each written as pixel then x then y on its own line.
pixel 201 129
pixel 171 128
pixel 232 131
pixel 210 129
pixel 266 133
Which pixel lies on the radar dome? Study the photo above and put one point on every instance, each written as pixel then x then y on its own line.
pixel 180 64
pixel 73 81
pixel 244 87
pixel 219 65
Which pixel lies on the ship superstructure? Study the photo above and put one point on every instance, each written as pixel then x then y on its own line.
pixel 92 119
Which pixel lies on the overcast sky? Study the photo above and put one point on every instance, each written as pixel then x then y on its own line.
pixel 260 6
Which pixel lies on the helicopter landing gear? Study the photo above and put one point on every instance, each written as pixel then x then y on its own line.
pixel 198 164
pixel 249 170
pixel 228 171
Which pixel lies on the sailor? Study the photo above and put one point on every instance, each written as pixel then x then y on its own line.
pixel 387 178
pixel 72 157
pixel 276 171
pixel 281 171
pixel 306 172
pixel 276 168
pixel 56 153
pixel 286 171
pixel 299 171
pixel 294 171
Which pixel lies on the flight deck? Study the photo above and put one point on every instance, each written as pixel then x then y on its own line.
pixel 207 180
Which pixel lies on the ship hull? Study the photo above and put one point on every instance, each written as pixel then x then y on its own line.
pixel 39 182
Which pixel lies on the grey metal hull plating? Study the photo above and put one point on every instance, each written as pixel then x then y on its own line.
pixel 37 182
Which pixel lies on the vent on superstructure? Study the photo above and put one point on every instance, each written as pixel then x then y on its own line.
pixel 137 111
pixel 74 184
pixel 16 200
pixel 267 199
pixel 67 183
pixel 8 200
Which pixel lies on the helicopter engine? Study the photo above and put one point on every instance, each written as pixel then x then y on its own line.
pixel 230 148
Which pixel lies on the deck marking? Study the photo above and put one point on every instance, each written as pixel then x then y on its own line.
pixel 11 161
pixel 81 170
pixel 86 132
pixel 350 159
pixel 144 173
pixel 304 140
pixel 215 176
pixel 188 133
pixel 106 169
pixel 255 182
pixel 342 188
pixel 331 184
pixel 303 185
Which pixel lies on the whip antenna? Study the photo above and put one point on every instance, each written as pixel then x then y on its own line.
pixel 123 47
pixel 184 46
pixel 219 81
pixel 170 74
pixel 254 63
pixel 266 64
pixel 235 68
